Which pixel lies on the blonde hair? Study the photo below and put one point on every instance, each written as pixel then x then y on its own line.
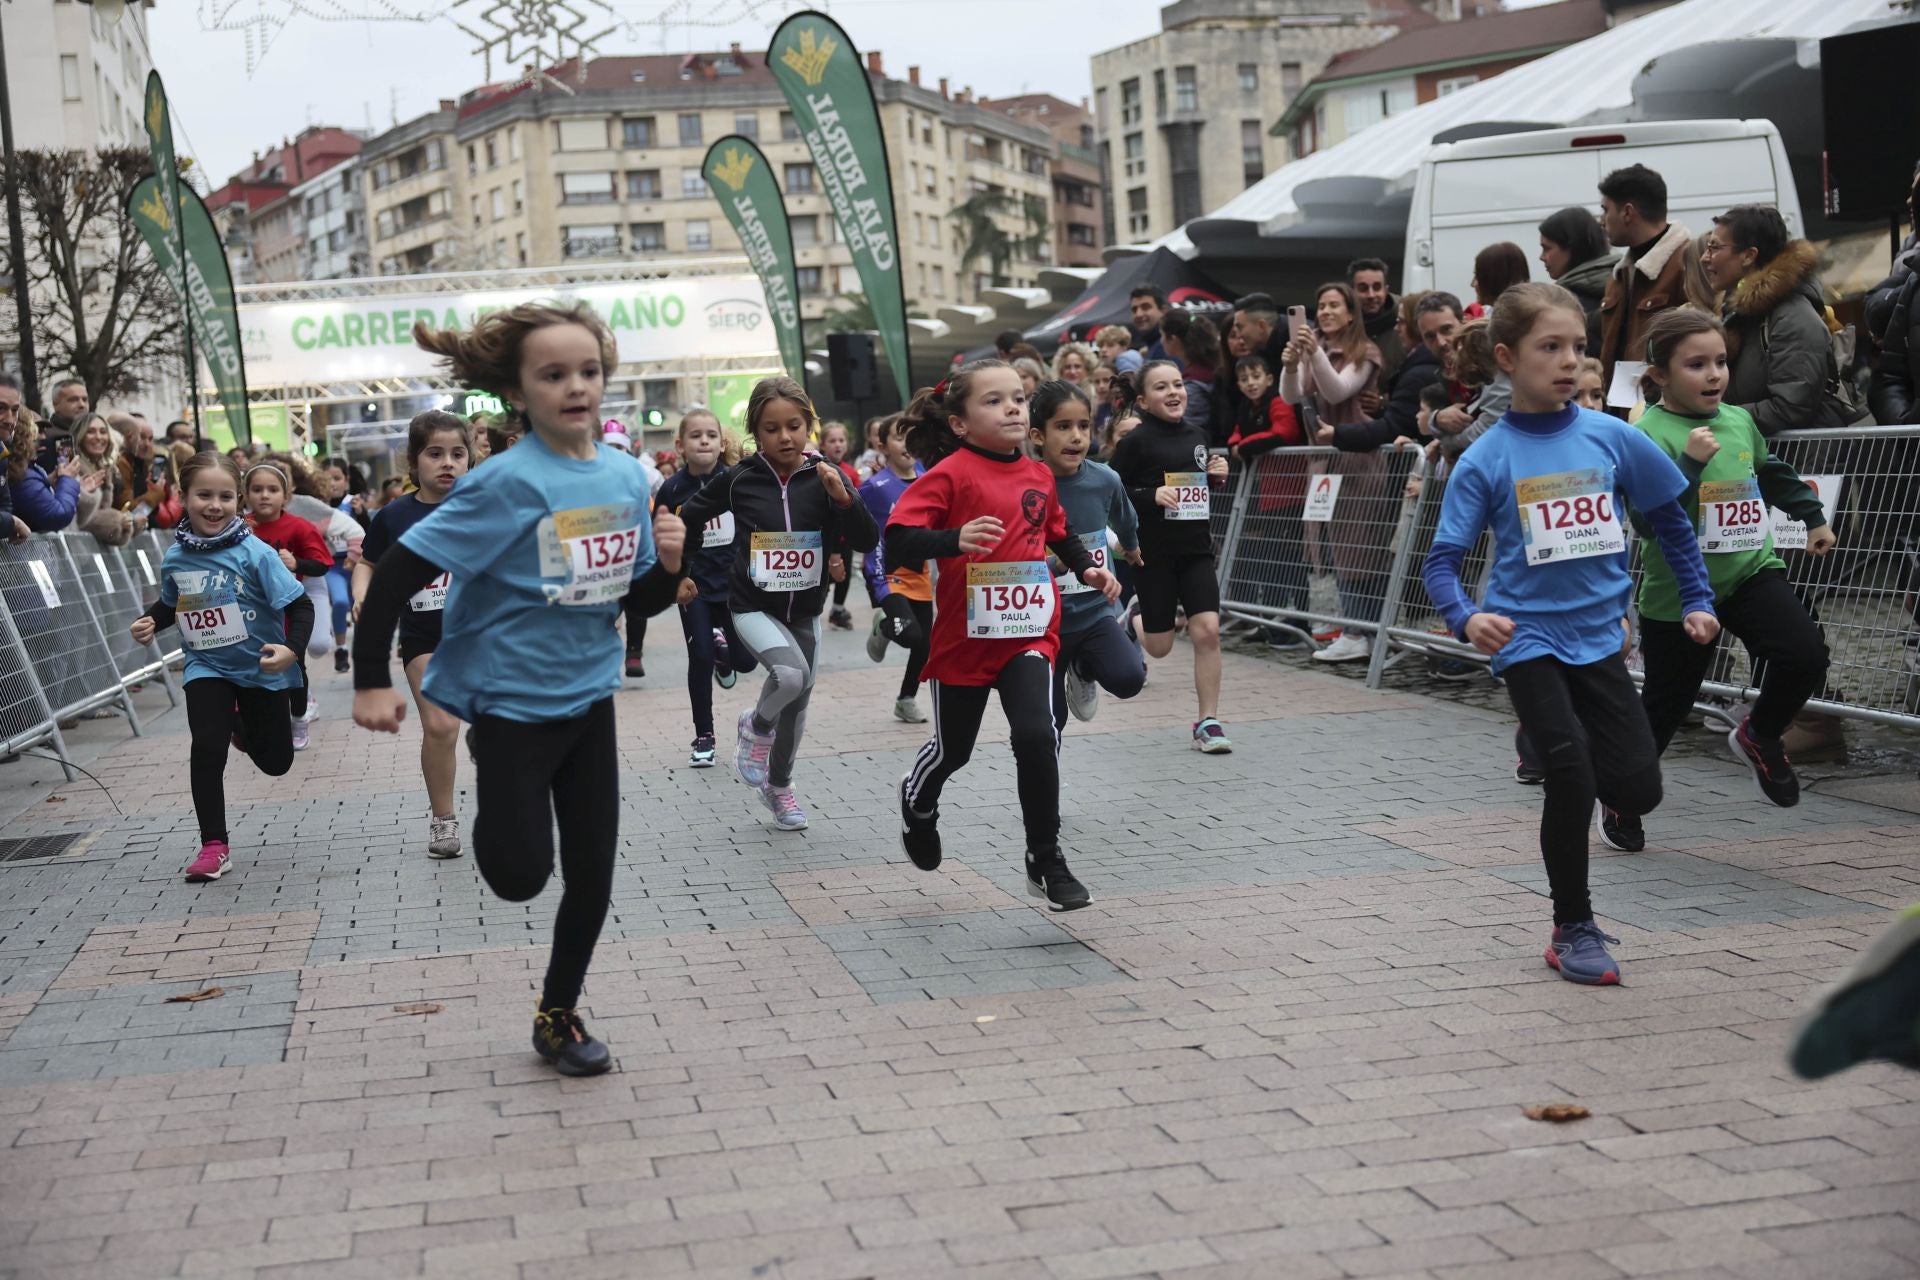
pixel 24 445
pixel 1520 307
pixel 80 430
pixel 1112 333
pixel 729 442
pixel 1087 359
pixel 487 356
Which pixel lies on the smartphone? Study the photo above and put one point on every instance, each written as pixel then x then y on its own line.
pixel 64 451
pixel 157 473
pixel 1296 320
pixel 1217 451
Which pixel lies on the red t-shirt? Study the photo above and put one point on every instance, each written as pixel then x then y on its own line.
pixel 963 486
pixel 291 533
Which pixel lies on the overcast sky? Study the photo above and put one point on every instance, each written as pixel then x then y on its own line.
pixel 356 73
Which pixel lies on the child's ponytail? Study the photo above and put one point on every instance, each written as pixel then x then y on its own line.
pixel 929 438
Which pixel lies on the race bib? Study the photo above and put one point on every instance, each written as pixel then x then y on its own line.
pixel 1191 498
pixel 1733 517
pixel 1096 545
pixel 1569 515
pixel 1790 533
pixel 785 561
pixel 1009 601
pixel 210 620
pixel 719 531
pixel 597 548
pixel 431 598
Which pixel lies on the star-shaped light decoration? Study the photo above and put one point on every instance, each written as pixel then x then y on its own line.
pixel 536 34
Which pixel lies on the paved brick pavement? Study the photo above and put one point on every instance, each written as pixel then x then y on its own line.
pixel 1292 1038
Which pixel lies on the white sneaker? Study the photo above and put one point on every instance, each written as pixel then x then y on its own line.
pixel 313 709
pixel 907 711
pixel 443 837
pixel 299 734
pixel 1348 648
pixel 1083 695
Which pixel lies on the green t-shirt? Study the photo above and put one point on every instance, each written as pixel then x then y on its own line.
pixel 1728 501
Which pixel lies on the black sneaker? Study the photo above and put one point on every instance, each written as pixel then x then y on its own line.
pixel 919 833
pixel 561 1038
pixel 1771 771
pixel 1620 830
pixel 840 619
pixel 1049 877
pixel 340 662
pixel 701 757
pixel 1526 769
pixel 636 669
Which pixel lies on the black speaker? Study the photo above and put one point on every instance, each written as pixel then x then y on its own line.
pixel 850 364
pixel 1871 98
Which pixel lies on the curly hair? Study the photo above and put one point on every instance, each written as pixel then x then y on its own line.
pixel 487 356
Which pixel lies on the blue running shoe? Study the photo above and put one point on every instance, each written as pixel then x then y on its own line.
pixel 1579 952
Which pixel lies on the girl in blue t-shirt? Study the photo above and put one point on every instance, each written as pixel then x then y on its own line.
pixel 1552 481
pixel 439 446
pixel 243 618
pixel 543 545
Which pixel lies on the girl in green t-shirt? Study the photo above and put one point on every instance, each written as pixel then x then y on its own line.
pixel 1732 481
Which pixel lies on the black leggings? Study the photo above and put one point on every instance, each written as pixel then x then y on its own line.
pixel 1102 653
pixel 845 584
pixel 1025 686
pixel 214 708
pixel 1789 658
pixel 526 776
pixel 698 618
pixel 909 624
pixel 1592 739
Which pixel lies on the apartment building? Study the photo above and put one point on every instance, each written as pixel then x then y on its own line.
pixel 1078 221
pixel 1182 117
pixel 333 217
pixel 262 226
pixel 520 176
pixel 76 80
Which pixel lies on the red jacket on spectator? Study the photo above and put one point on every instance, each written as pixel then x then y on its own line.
pixel 1261 428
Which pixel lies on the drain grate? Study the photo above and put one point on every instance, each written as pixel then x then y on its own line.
pixel 36 847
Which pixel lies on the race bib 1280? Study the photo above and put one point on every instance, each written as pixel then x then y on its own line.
pixel 1569 515
pixel 1009 601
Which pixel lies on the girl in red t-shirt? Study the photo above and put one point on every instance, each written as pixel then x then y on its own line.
pixel 989 514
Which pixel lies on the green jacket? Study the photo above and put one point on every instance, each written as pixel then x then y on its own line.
pixel 1742 468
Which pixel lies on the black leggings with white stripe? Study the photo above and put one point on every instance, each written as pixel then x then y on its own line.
pixel 1025 685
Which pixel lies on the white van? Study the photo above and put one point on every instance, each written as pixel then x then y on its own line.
pixel 1468 195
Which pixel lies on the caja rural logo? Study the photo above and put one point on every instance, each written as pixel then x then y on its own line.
pixel 810 57
pixel 733 168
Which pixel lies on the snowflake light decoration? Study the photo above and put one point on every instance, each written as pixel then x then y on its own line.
pixel 537 34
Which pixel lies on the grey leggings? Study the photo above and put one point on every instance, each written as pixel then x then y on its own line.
pixel 787 652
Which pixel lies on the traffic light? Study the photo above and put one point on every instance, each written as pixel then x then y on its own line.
pixel 655 418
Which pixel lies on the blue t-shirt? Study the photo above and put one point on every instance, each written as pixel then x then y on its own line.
pixel 1095 501
pixel 541 548
pixel 229 605
pixel 1564 604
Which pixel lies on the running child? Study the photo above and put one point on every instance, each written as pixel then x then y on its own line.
pixel 833 447
pixel 1165 465
pixel 1732 481
pixel 989 514
pixel 542 544
pixel 789 507
pixel 712 648
pixel 439 451
pixel 300 548
pixel 1095 653
pixel 903 599
pixel 243 618
pixel 1551 480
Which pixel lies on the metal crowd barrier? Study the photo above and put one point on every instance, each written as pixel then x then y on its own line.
pixel 65 650
pixel 1360 570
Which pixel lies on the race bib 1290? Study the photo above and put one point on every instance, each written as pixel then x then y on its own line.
pixel 1569 515
pixel 785 561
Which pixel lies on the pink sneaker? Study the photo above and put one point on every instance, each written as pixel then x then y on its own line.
pixel 211 864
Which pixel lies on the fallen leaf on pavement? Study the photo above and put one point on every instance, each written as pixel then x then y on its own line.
pixel 1558 1112
pixel 195 997
pixel 56 800
pixel 421 1007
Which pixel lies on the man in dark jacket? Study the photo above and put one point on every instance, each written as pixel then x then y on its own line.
pixel 70 405
pixel 1779 347
pixel 1379 312
pixel 1438 316
pixel 1894 393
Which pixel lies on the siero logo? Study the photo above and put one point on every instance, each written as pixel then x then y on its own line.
pixel 742 315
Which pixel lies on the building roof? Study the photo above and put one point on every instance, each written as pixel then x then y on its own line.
pixel 1484 39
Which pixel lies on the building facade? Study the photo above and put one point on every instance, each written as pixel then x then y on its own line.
pixel 520 177
pixel 1078 221
pixel 262 224
pixel 1182 117
pixel 333 216
pixel 75 80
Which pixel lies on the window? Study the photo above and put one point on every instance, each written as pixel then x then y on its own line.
pixel 939 281
pixel 1081 235
pixel 1253 159
pixel 1160 95
pixel 649 237
pixel 1454 85
pixel 1249 77
pixel 643 184
pixel 747 126
pixel 913 175
pixel 586 188
pixel 808 278
pixel 799 179
pixel 806 230
pixel 690 135
pixel 1290 78
pixel 513 142
pixel 473 204
pixel 70 76
pixel 493 153
pixel 693 184
pixel 1136 153
pixel 1100 106
pixel 473 160
pixel 499 202
pixel 593 241
pixel 1186 90
pixel 520 247
pixel 699 235
pixel 789 128
pixel 519 195
pixel 1137 211
pixel 637 132
pixel 581 135
pixel 1129 102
